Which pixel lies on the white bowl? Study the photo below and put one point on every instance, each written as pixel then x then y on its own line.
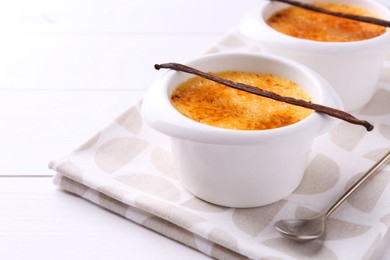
pixel 239 168
pixel 352 68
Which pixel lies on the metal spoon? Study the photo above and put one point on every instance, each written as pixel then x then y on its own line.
pixel 309 229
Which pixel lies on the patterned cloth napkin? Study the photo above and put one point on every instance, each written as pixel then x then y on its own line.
pixel 127 168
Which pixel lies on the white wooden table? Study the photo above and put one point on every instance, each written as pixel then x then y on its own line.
pixel 67 69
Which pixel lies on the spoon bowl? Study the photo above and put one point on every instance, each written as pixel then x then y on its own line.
pixel 302 229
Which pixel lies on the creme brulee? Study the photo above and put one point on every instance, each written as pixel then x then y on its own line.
pixel 302 23
pixel 217 105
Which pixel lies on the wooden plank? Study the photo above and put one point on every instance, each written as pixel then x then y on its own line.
pixel 169 16
pixel 38 126
pixel 37 221
pixel 92 61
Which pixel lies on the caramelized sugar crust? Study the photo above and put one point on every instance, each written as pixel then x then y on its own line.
pixel 306 24
pixel 217 105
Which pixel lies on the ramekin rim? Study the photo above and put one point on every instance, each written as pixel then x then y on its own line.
pixel 194 131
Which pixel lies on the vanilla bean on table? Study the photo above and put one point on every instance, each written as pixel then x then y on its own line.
pixel 268 94
pixel 359 18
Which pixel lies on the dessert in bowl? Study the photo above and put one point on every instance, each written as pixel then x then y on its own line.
pixel 240 168
pixel 215 104
pixel 350 64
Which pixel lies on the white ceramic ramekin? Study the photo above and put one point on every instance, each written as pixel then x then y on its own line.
pixel 352 68
pixel 239 168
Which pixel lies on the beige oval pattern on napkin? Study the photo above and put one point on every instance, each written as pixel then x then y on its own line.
pixel 116 153
pixel 386 220
pixel 112 204
pixel 153 185
pixel 167 211
pixel 321 175
pixel 200 205
pixel 162 160
pixel 347 136
pixel 376 154
pixel 369 194
pixel 220 252
pixel 171 230
pixel 253 220
pixel 88 144
pixel 384 129
pixel 379 104
pixel 223 238
pixel 131 120
pixel 374 246
pixel 113 192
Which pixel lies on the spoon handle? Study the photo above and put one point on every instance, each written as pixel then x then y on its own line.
pixel 356 185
